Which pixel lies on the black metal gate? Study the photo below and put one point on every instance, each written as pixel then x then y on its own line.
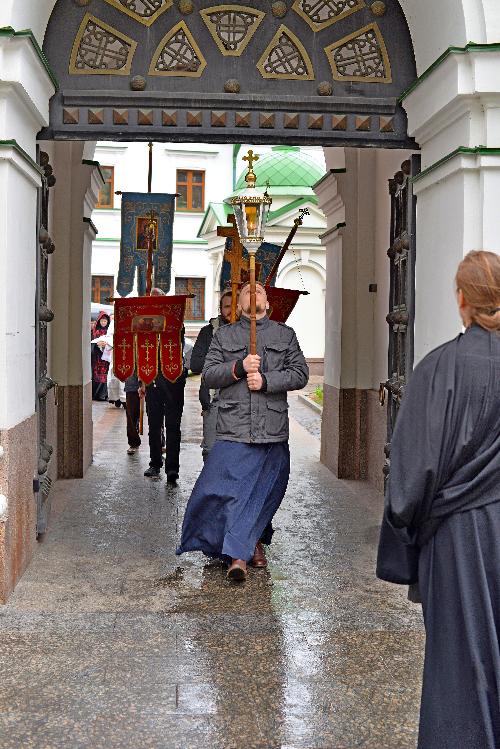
pixel 401 315
pixel 44 316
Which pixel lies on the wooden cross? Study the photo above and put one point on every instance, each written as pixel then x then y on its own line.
pixel 235 258
pixel 151 237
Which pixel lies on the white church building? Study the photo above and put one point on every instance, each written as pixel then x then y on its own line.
pixel 204 176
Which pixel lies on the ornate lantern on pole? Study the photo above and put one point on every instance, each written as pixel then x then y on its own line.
pixel 250 211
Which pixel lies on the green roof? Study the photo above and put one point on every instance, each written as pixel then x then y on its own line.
pixel 285 166
pixel 273 215
pixel 221 211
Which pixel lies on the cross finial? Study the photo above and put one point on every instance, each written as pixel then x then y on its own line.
pixel 250 177
pixel 251 157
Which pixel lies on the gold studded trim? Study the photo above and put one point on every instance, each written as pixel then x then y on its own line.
pixel 73 70
pixel 275 43
pixel 136 16
pixel 315 26
pixel 178 73
pixel 383 52
pixel 258 14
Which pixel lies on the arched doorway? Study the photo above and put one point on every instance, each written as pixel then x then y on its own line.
pixel 432 27
pixel 267 72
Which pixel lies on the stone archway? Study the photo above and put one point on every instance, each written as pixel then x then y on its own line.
pixel 280 72
pixel 457 175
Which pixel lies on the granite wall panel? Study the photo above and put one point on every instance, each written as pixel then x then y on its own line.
pixel 18 525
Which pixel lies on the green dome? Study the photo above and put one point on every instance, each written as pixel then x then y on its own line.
pixel 285 166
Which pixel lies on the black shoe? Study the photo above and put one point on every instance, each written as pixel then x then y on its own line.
pixel 118 404
pixel 172 478
pixel 152 473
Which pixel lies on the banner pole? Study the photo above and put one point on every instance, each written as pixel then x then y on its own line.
pixel 150 170
pixel 149 278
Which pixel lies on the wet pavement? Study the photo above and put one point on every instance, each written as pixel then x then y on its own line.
pixel 112 641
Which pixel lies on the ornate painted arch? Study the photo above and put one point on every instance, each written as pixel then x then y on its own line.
pixel 301 71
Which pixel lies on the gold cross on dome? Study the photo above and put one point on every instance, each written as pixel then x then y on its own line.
pixel 251 157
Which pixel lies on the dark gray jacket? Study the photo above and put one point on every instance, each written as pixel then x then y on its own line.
pixel 254 416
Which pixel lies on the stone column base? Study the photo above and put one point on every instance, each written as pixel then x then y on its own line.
pixel 353 434
pixel 74 430
pixel 18 524
pixel 376 431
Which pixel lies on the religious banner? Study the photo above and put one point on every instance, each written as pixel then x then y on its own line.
pixel 265 258
pixel 136 220
pixel 148 333
pixel 281 302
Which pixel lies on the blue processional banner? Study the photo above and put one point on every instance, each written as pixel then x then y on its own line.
pixel 265 257
pixel 136 215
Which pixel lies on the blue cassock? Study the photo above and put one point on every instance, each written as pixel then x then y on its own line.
pixel 235 499
pixel 442 527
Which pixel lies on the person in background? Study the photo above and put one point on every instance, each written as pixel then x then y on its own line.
pixel 116 390
pixel 441 524
pixel 164 405
pixel 99 367
pixel 133 407
pixel 198 356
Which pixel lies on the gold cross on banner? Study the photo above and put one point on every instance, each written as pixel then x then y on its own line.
pixel 147 345
pixel 170 346
pixel 124 346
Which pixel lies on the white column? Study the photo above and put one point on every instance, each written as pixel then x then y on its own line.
pixel 454 114
pixel 331 203
pixel 25 89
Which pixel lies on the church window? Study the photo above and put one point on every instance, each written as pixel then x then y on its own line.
pixel 191 189
pixel 107 191
pixel 102 289
pixel 195 307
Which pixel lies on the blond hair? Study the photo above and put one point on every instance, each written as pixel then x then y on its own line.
pixel 478 277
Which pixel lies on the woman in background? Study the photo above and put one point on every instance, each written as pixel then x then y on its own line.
pixel 443 510
pixel 99 367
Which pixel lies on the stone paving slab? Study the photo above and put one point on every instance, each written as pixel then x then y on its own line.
pixel 112 641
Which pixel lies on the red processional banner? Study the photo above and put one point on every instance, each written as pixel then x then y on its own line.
pixel 281 302
pixel 148 334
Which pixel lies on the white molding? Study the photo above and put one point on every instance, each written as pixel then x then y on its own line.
pixel 12 156
pixel 92 193
pixel 461 162
pixel 180 153
pixel 330 200
pixel 454 105
pixel 109 150
pixel 18 56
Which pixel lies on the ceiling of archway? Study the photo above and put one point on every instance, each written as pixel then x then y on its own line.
pixel 325 71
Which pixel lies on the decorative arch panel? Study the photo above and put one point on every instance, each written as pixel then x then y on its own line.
pixel 297 71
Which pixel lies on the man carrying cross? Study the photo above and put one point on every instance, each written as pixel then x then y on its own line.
pixel 245 476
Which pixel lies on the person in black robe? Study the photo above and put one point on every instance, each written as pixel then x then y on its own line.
pixel 441 525
pixel 98 365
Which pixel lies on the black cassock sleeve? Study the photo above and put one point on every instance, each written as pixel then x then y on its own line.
pixel 419 453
